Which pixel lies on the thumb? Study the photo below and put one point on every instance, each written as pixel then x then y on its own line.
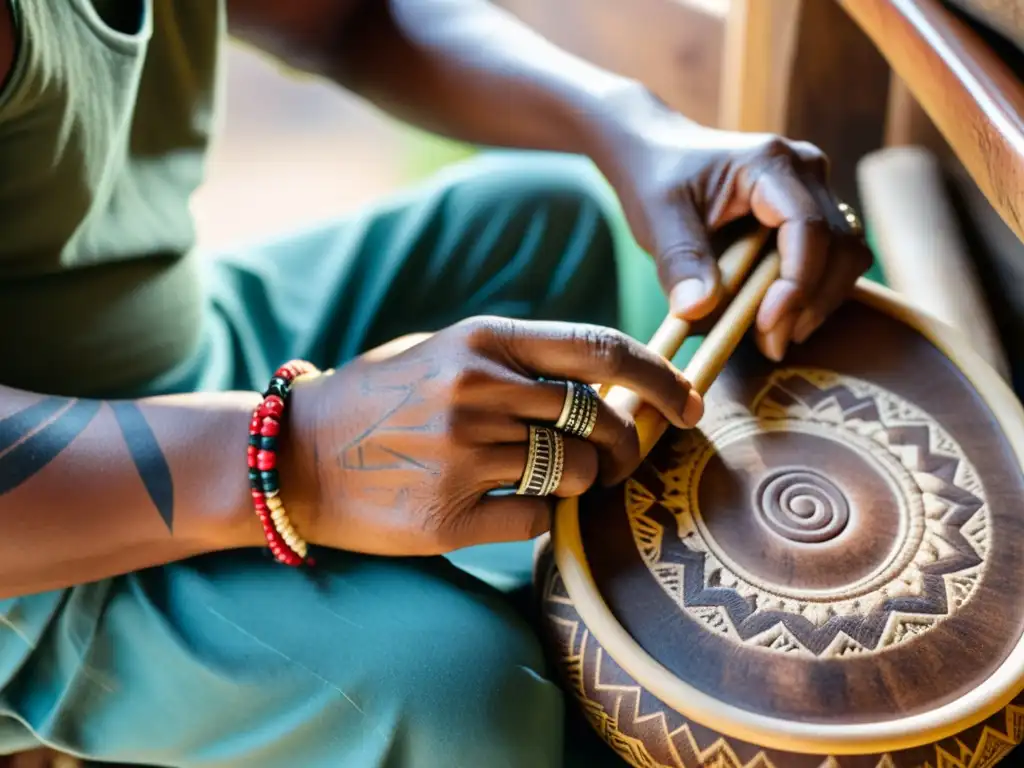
pixel 687 267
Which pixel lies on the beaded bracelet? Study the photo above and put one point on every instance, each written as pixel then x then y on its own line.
pixel 285 543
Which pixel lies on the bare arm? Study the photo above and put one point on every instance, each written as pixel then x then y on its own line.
pixel 90 489
pixel 463 68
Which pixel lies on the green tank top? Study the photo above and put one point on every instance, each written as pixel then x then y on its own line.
pixel 105 122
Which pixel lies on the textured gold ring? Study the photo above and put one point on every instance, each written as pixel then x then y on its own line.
pixel 545 461
pixel 851 218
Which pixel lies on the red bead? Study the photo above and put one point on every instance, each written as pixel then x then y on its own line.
pixel 271 410
pixel 277 536
pixel 284 554
pixel 266 422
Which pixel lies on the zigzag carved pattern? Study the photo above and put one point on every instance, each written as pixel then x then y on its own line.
pixel 796 389
pixel 648 734
pixel 867 630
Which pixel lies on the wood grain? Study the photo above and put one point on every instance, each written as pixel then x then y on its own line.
pixel 708 612
pixel 908 125
pixel 968 91
pixel 802 69
pixel 858 344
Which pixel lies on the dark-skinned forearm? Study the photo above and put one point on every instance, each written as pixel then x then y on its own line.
pixel 91 489
pixel 462 68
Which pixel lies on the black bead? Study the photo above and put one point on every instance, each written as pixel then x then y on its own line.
pixel 270 481
pixel 268 444
pixel 277 386
pixel 254 441
pixel 254 480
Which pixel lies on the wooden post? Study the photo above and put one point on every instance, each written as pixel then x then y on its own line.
pixel 803 69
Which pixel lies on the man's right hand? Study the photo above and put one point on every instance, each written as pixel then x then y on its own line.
pixel 404 450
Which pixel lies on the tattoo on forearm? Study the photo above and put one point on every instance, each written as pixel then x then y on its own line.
pixel 34 436
pixel 148 457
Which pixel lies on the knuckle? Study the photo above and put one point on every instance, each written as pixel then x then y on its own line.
pixel 466 382
pixel 462 426
pixel 809 153
pixel 608 347
pixel 685 254
pixel 674 392
pixel 480 332
pixel 776 148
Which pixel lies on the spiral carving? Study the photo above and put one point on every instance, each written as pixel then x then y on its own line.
pixel 801 505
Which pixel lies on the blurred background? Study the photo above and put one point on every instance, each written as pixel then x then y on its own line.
pixel 293 151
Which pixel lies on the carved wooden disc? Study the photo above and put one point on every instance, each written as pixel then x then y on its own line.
pixel 841 541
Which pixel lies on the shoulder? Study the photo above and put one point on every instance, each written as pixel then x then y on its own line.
pixel 8 40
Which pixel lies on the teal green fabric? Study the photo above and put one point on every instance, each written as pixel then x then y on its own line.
pixel 231 660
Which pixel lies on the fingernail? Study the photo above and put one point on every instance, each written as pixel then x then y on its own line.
pixel 693 411
pixel 776 341
pixel 805 326
pixel 687 294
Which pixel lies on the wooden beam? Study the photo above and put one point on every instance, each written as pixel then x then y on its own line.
pixel 804 70
pixel 968 91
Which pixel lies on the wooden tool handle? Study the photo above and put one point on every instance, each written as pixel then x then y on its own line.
pixel 735 264
pixel 721 342
pixel 716 348
pixel 920 245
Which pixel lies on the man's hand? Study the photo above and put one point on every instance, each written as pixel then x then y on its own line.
pixel 679 182
pixel 470 70
pixel 398 452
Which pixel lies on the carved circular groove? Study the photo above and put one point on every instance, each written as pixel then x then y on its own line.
pixel 801 505
pixel 887 537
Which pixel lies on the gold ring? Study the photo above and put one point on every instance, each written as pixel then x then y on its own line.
pixel 851 218
pixel 579 410
pixel 545 462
